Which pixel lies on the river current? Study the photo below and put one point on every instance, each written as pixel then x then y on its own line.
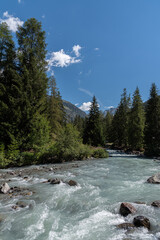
pixel 89 211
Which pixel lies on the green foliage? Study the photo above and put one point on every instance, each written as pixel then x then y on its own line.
pixel 79 123
pixel 93 132
pixel 120 121
pixel 68 143
pixel 100 153
pixel 9 88
pixel 107 126
pixel 32 69
pixel 55 108
pixel 40 134
pixel 152 127
pixel 136 122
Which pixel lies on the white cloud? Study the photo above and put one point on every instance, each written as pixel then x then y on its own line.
pixel 85 106
pixel 76 49
pixel 19 1
pixel 86 91
pixel 96 49
pixel 12 22
pixel 61 59
pixel 43 16
pixel 76 104
pixel 109 107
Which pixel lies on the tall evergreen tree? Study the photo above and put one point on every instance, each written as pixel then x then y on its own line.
pixel 152 127
pixel 56 114
pixel 10 89
pixel 107 125
pixel 93 132
pixel 136 122
pixel 79 123
pixel 120 121
pixel 32 69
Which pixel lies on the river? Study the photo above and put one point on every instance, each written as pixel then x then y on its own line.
pixel 89 211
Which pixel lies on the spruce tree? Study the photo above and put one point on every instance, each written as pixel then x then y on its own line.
pixel 56 114
pixel 120 122
pixel 152 127
pixel 107 126
pixel 136 122
pixel 10 89
pixel 32 69
pixel 93 132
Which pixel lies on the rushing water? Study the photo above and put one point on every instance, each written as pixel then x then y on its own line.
pixel 89 211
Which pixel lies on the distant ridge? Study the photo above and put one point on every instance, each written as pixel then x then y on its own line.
pixel 112 111
pixel 72 111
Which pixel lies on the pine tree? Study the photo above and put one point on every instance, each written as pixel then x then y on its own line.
pixel 79 123
pixel 32 69
pixel 56 114
pixel 136 122
pixel 152 127
pixel 93 133
pixel 107 126
pixel 120 122
pixel 10 89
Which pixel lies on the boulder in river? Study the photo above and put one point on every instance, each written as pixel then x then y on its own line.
pixel 156 204
pixel 55 181
pixel 154 179
pixel 126 208
pixel 21 204
pixel 141 221
pixel 126 226
pixel 4 188
pixel 72 183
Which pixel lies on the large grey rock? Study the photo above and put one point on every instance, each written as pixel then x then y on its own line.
pixel 4 188
pixel 141 221
pixel 55 181
pixel 154 179
pixel 126 208
pixel 156 204
pixel 72 183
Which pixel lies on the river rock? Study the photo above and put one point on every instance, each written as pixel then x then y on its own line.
pixel 141 221
pixel 72 183
pixel 154 179
pixel 55 181
pixel 4 188
pixel 126 226
pixel 126 208
pixel 156 204
pixel 21 204
pixel 138 202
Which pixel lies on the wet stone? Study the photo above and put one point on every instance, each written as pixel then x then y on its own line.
pixel 156 204
pixel 126 208
pixel 21 204
pixel 72 183
pixel 138 202
pixel 155 179
pixel 126 226
pixel 4 188
pixel 141 221
pixel 55 181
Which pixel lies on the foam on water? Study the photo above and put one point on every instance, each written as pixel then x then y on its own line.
pixel 89 211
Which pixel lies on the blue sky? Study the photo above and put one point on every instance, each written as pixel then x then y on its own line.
pixel 96 46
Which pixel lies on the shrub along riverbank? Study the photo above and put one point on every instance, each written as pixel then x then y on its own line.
pixel 67 147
